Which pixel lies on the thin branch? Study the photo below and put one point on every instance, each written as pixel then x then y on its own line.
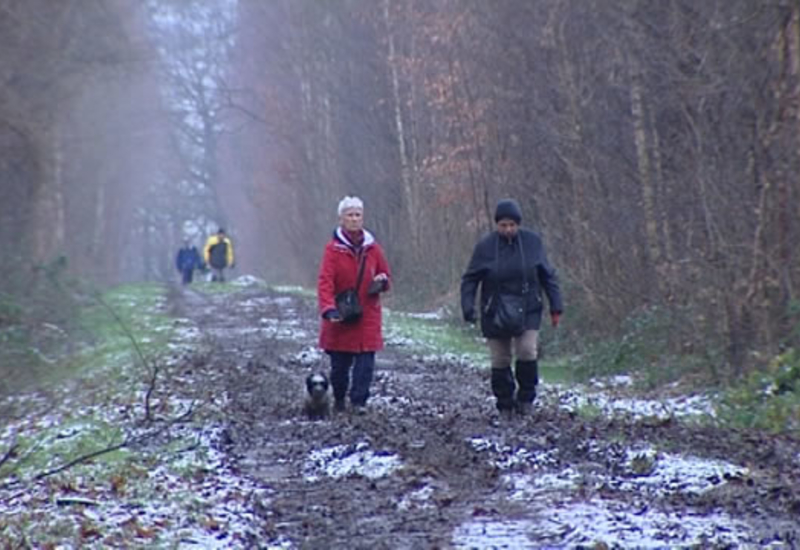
pixel 9 453
pixel 125 329
pixel 128 441
pixel 150 389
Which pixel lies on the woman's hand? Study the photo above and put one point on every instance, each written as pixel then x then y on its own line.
pixel 378 284
pixel 332 315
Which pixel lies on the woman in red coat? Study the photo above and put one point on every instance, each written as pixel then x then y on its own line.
pixel 352 344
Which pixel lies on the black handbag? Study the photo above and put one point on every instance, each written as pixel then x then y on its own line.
pixel 507 313
pixel 347 303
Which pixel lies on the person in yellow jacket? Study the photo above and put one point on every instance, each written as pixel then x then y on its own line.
pixel 218 254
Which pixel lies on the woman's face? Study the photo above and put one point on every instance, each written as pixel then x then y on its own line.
pixel 507 228
pixel 352 219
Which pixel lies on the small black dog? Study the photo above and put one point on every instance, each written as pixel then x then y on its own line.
pixel 317 405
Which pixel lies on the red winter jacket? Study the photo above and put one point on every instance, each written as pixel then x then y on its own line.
pixel 338 272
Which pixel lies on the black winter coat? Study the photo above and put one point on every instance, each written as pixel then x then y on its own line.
pixel 496 266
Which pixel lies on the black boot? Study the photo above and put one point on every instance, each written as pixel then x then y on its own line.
pixel 527 373
pixel 503 388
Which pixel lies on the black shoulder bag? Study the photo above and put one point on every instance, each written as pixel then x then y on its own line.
pixel 506 313
pixel 347 303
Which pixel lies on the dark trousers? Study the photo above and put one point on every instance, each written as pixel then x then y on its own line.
pixel 186 275
pixel 218 274
pixel 363 365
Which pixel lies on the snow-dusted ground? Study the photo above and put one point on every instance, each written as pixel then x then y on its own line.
pixel 190 495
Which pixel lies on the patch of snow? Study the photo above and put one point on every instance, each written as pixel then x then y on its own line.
pixel 670 474
pixel 261 302
pixel 509 534
pixel 598 522
pixel 345 460
pixel 674 473
pixel 417 500
pixel 278 323
pixel 613 381
pixel 279 333
pixel 288 288
pixel 308 357
pixel 186 334
pixel 614 524
pixel 429 315
pixel 390 401
pixel 463 360
pixel 508 457
pixel 689 405
pixel 526 487
pixel 248 280
pixel 400 341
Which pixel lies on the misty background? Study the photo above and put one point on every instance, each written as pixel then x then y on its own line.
pixel 654 144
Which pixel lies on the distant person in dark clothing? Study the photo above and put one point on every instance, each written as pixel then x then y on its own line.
pixel 218 254
pixel 510 265
pixel 187 261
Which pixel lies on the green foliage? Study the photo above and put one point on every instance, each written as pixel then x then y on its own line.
pixel 793 319
pixel 59 445
pixel 209 287
pixel 768 399
pixel 10 310
pixel 296 290
pixel 641 342
pixel 37 305
pixel 433 334
pixel 649 344
pixel 125 325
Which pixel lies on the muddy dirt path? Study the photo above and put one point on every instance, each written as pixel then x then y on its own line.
pixel 431 466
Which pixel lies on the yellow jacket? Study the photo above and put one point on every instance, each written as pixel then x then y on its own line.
pixel 214 240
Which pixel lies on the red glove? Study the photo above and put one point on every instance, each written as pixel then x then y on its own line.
pixel 555 316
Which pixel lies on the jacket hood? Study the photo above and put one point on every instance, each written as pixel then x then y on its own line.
pixel 341 237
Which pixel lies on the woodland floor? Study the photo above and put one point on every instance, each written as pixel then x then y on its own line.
pixel 429 466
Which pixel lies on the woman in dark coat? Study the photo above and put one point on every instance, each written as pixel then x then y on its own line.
pixel 352 344
pixel 510 266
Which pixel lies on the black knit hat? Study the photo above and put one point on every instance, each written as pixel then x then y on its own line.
pixel 508 209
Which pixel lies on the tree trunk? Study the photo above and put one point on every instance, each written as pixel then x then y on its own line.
pixel 408 187
pixel 645 176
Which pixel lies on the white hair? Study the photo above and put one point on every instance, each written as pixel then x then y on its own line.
pixel 350 202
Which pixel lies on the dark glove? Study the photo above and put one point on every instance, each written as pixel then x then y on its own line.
pixel 469 317
pixel 331 315
pixel 555 317
pixel 376 287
